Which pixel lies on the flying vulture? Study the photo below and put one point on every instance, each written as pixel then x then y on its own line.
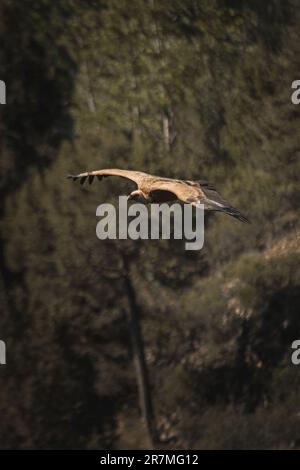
pixel 157 189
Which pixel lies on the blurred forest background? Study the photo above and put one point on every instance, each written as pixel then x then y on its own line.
pixel 195 89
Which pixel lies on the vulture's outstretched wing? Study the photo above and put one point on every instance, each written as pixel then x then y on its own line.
pixel 135 176
pixel 181 190
pixel 196 192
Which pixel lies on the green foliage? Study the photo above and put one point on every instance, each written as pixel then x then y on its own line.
pixel 192 89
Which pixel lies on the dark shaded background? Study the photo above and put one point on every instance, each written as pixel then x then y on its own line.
pixel 190 89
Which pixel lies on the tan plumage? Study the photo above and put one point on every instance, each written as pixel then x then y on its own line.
pixel 157 189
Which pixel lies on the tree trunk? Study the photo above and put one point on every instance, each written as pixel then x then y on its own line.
pixel 142 375
pixel 166 132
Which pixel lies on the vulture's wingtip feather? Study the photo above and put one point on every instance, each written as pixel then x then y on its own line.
pixel 245 220
pixel 72 177
pixel 237 215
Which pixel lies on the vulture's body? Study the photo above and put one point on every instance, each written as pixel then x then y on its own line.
pixel 156 189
